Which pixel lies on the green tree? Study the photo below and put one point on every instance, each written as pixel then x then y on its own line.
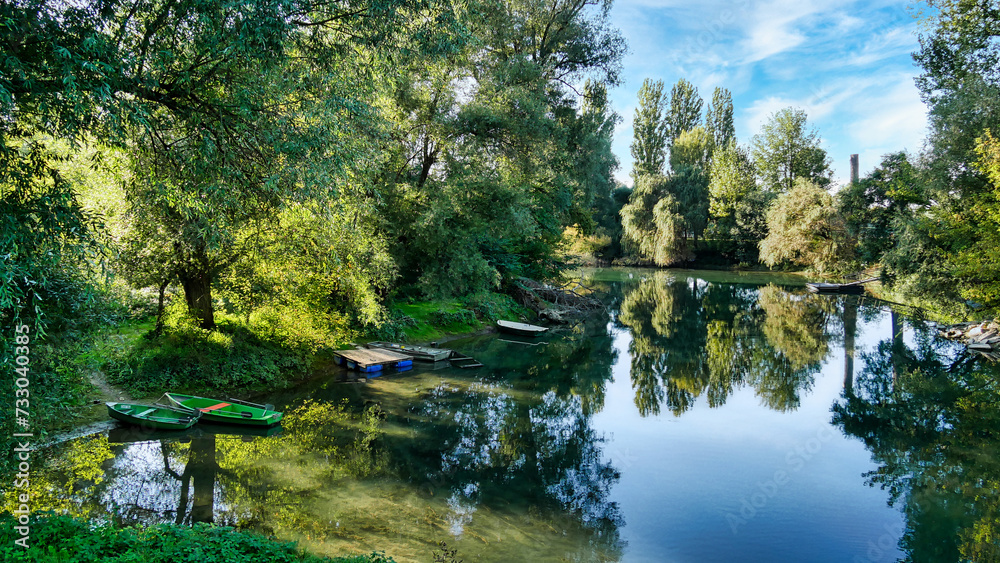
pixel 875 207
pixel 785 150
pixel 977 265
pixel 665 216
pixel 493 153
pixel 737 205
pixel 691 148
pixel 961 87
pixel 684 112
pixel 649 130
pixel 805 228
pixel 719 118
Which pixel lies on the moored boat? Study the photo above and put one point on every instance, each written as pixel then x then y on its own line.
pixel 160 417
pixel 231 411
pixel 835 287
pixel 520 329
pixel 421 353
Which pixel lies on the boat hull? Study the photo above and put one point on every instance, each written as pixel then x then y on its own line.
pixel 521 329
pixel 225 412
pixel 151 416
pixel 835 288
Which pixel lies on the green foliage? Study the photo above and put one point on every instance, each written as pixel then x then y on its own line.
pixel 321 259
pixel 66 539
pixel 719 119
pixel 663 213
pixel 48 243
pixel 977 265
pixel 480 182
pixel 275 346
pixel 649 144
pixel 691 149
pixel 805 228
pixel 785 150
pixel 737 205
pixel 684 112
pixel 879 205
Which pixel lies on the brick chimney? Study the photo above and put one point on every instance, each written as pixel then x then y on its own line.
pixel 854 169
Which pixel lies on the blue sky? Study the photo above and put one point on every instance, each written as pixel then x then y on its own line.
pixel 847 64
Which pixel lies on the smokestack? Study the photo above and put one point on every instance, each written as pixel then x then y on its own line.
pixel 854 169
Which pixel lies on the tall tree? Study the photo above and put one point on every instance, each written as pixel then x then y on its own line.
pixel 805 228
pixel 737 205
pixel 880 204
pixel 719 118
pixel 664 214
pixel 786 149
pixel 691 148
pixel 649 130
pixel 232 110
pixel 684 113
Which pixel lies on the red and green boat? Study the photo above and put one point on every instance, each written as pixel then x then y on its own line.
pixel 230 411
pixel 160 417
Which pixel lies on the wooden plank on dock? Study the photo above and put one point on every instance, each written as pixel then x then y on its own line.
pixel 365 358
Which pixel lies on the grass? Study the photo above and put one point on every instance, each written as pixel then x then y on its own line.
pixel 57 539
pixel 426 321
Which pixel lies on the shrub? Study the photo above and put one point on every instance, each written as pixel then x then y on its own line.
pixel 66 539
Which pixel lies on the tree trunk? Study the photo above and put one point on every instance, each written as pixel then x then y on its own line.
pixel 159 309
pixel 198 294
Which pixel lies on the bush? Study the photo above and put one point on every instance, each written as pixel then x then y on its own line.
pixel 66 539
pixel 269 350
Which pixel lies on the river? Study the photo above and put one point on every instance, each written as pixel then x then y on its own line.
pixel 703 416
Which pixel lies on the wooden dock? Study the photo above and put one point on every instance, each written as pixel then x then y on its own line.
pixel 370 360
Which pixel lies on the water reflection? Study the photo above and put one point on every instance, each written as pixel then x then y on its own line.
pixel 509 462
pixel 931 419
pixel 691 338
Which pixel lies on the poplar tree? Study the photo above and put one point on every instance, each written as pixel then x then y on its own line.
pixel 719 118
pixel 684 113
pixel 649 143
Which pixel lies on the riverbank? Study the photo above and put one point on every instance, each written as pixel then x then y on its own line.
pixel 64 538
pixel 247 358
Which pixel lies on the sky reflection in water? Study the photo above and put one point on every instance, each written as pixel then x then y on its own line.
pixel 701 418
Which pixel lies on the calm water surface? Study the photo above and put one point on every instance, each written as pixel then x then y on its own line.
pixel 702 417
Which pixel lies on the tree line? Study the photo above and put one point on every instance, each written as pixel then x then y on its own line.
pixel 296 155
pixel 928 221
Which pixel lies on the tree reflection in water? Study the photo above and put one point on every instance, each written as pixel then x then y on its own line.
pixel 930 416
pixel 506 454
pixel 690 337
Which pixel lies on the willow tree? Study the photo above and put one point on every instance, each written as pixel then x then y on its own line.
pixel 496 150
pixel 805 228
pixel 665 216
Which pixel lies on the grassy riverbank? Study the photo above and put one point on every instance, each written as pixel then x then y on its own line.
pixel 123 358
pixel 66 539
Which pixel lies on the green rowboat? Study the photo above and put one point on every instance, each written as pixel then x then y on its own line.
pixel 230 411
pixel 160 417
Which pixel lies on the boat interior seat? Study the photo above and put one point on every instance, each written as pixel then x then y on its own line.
pixel 144 413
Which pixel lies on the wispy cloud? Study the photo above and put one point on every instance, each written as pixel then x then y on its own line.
pixel 847 64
